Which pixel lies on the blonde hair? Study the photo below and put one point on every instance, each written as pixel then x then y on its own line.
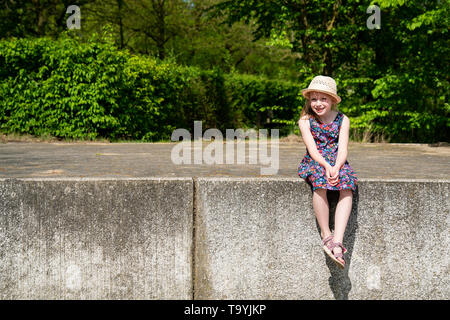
pixel 307 111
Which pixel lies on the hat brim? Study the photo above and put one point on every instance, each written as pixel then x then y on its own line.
pixel 305 93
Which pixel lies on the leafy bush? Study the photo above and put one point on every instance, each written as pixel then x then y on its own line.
pixel 82 90
pixel 92 90
pixel 264 103
pixel 87 90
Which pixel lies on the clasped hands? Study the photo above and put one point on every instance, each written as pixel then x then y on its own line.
pixel 332 174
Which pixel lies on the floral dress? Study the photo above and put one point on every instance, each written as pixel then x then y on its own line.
pixel 326 137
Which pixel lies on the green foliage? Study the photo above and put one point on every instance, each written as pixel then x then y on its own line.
pixel 228 63
pixel 279 40
pixel 393 81
pixel 264 103
pixel 70 89
pixel 79 90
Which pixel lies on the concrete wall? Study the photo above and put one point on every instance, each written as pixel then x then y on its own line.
pixel 258 239
pixel 96 239
pixel 218 238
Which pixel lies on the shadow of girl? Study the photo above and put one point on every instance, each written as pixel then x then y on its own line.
pixel 339 280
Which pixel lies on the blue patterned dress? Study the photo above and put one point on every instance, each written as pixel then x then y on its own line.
pixel 326 137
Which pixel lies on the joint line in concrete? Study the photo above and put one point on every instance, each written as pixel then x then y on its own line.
pixel 194 214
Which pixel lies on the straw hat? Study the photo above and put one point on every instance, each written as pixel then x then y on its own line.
pixel 322 84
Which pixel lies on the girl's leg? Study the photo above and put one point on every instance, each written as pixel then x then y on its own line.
pixel 321 210
pixel 343 209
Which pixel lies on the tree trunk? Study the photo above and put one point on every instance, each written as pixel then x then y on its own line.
pixel 329 25
pixel 120 5
pixel 158 6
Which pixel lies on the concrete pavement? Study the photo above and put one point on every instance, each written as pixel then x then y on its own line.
pixel 122 221
pixel 369 160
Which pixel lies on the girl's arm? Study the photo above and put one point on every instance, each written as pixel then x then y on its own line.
pixel 343 143
pixel 308 139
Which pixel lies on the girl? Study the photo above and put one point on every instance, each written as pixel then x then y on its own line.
pixel 325 132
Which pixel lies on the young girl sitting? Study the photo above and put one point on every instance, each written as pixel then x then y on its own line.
pixel 325 132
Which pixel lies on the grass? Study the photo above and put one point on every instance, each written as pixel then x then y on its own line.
pixel 367 136
pixel 16 137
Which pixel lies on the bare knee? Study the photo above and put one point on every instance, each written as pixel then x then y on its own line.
pixel 346 193
pixel 321 192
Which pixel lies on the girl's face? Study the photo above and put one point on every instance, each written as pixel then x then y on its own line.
pixel 320 103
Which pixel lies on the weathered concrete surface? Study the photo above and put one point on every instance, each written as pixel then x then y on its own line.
pixel 258 239
pixel 123 160
pixel 96 239
pixel 100 228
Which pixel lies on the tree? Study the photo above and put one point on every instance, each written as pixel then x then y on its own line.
pixel 394 80
pixel 317 30
pixel 21 18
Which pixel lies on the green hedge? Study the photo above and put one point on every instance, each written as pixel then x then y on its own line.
pixel 73 90
pixel 87 90
pixel 265 103
pixel 92 90
pixel 399 108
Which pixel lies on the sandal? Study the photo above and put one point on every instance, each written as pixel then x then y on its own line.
pixel 328 244
pixel 339 255
pixel 328 247
pixel 326 241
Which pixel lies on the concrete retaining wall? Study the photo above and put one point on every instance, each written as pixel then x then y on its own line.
pixel 258 239
pixel 218 238
pixel 96 239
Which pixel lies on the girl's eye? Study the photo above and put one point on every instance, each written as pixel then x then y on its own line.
pixel 313 99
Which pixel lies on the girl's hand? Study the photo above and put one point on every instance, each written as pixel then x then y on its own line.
pixel 328 169
pixel 333 177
